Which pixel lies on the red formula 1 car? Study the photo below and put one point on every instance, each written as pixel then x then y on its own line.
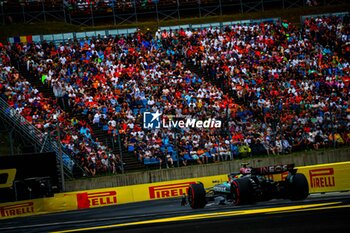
pixel 252 185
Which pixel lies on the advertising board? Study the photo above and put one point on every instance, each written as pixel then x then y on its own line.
pixel 321 178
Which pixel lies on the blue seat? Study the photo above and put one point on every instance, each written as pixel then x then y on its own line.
pixel 208 154
pixel 131 148
pixel 142 110
pixel 154 161
pixel 118 108
pixel 105 127
pixel 234 150
pixel 165 141
pixel 174 156
pixel 188 157
pixel 144 102
pixel 170 149
pixel 147 161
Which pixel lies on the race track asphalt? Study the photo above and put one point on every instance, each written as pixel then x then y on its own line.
pixel 319 213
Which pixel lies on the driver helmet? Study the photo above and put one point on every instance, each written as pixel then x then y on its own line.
pixel 244 169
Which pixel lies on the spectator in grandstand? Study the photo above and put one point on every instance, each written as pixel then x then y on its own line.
pixel 286 88
pixel 286 147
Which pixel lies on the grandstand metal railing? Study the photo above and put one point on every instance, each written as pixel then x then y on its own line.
pixel 66 37
pixel 93 12
pixel 43 141
pixel 337 14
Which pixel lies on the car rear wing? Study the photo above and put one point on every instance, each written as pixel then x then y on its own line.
pixel 274 169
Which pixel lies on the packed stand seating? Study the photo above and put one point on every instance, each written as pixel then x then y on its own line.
pixel 293 83
pixel 272 71
pixel 45 114
pixel 113 80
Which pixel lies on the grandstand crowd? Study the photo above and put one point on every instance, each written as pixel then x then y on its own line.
pixel 281 89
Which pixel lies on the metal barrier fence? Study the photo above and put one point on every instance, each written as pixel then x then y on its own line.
pixel 65 37
pixel 337 14
pixel 39 139
pixel 132 11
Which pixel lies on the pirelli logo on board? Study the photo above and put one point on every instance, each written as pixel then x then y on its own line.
pixel 322 178
pixel 169 190
pixel 88 200
pixel 17 209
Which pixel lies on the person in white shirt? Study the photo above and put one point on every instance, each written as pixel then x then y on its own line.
pixel 97 117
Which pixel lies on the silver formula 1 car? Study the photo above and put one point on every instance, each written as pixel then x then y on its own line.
pixel 252 185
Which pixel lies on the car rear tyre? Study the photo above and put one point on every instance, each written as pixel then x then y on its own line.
pixel 241 190
pixel 196 196
pixel 298 188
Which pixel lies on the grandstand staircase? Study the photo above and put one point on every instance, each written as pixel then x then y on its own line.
pixel 36 82
pixel 131 162
pixel 196 69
